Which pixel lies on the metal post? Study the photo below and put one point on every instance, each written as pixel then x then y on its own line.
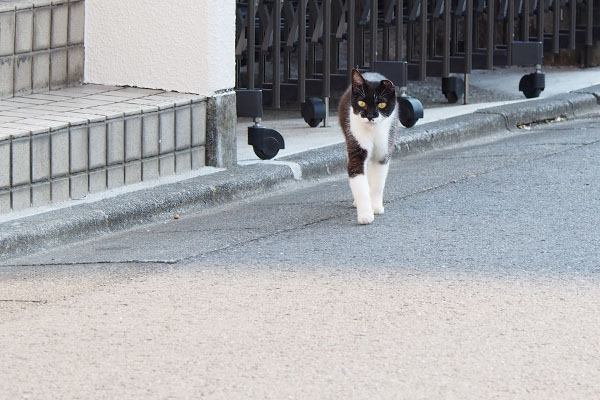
pixel 251 42
pixel 423 62
pixel 326 58
pixel 266 35
pixel 302 51
pixel 589 39
pixel 447 36
pixel 525 21
pixel 572 23
pixel 556 27
pixel 468 47
pixel 400 30
pixel 410 33
pixel 511 29
pixel 541 10
pixel 491 32
pixel 276 49
pixel 466 96
pixel 373 55
pixel 351 37
pixel 386 30
pixel 362 6
pixel 315 26
pixel 469 37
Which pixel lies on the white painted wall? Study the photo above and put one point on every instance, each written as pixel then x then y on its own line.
pixel 182 45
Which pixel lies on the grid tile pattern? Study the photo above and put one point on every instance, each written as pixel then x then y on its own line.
pixel 41 45
pixel 63 144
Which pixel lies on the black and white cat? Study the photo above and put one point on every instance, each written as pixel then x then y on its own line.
pixel 369 118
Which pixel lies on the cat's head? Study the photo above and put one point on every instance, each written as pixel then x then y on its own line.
pixel 373 98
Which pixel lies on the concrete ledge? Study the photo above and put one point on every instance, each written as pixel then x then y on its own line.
pixel 160 202
pixel 568 105
pixel 320 162
pixel 82 221
pixel 448 131
pixel 593 90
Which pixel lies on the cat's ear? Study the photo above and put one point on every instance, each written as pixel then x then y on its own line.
pixel 387 85
pixel 357 78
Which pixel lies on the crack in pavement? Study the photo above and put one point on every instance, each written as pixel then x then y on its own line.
pixel 256 239
pixel 76 263
pixel 204 230
pixel 23 301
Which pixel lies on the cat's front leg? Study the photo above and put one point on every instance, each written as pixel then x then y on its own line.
pixel 359 184
pixel 377 173
pixel 360 191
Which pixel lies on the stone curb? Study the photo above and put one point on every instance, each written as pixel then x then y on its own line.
pixel 84 221
pixel 567 105
pixel 593 90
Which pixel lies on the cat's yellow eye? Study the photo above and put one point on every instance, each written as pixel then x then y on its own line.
pixel 382 105
pixel 362 104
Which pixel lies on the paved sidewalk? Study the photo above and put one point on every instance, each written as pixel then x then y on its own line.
pixel 489 85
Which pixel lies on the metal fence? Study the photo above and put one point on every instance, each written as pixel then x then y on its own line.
pixel 295 49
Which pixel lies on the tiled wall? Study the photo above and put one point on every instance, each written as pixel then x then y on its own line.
pixel 95 155
pixel 41 45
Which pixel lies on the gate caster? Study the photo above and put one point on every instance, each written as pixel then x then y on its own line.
pixel 313 111
pixel 532 84
pixel 266 142
pixel 410 110
pixel 453 88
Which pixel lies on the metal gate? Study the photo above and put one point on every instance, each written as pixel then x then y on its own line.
pixel 295 49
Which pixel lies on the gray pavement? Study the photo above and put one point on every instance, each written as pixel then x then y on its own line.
pixel 47 227
pixel 481 280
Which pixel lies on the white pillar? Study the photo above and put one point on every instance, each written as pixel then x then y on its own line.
pixel 182 45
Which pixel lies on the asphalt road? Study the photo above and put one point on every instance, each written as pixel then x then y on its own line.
pixel 481 281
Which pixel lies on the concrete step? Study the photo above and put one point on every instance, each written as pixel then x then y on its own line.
pixel 41 45
pixel 63 144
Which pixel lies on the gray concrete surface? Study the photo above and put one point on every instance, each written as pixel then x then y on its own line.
pixel 48 228
pixel 479 281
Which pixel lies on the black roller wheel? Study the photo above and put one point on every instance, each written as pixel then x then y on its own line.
pixel 532 93
pixel 532 85
pixel 453 87
pixel 264 154
pixel 408 122
pixel 313 111
pixel 314 122
pixel 452 97
pixel 270 147
pixel 410 110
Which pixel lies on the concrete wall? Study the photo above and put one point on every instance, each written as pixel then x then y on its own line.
pixel 182 45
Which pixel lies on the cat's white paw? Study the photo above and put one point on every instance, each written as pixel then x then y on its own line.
pixel 378 209
pixel 354 203
pixel 365 218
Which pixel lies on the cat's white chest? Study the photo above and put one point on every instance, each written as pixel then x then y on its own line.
pixel 373 137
